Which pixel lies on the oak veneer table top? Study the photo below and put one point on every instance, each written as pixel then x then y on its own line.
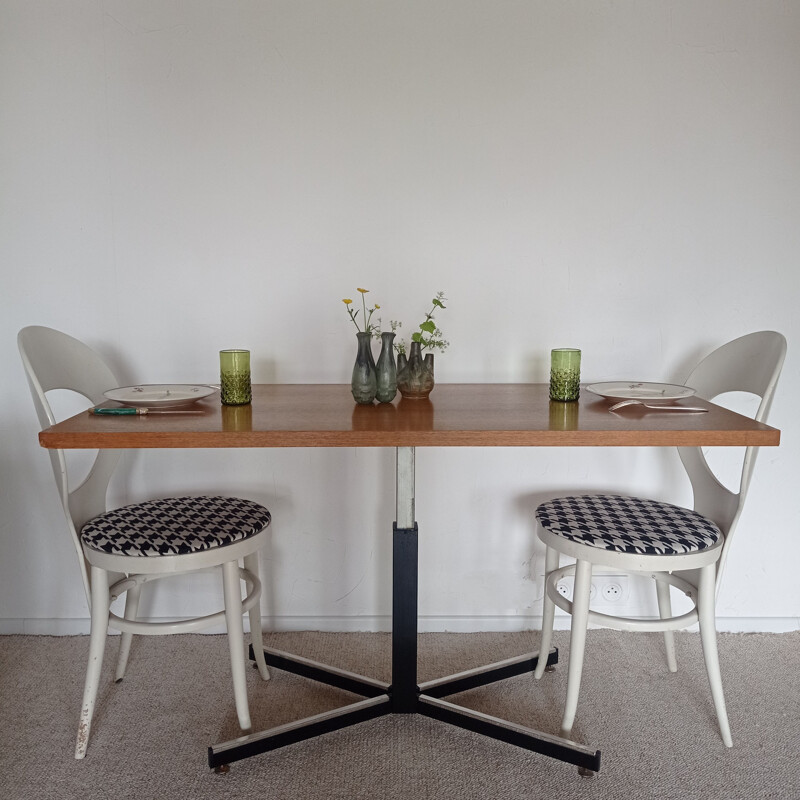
pixel 471 415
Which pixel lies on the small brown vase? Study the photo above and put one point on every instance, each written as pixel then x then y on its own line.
pixel 415 373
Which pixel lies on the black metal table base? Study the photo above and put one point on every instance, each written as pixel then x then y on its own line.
pixel 404 695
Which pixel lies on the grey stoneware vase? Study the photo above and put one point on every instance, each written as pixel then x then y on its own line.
pixel 386 370
pixel 364 383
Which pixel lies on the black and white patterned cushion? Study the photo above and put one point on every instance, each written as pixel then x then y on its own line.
pixel 175 526
pixel 628 524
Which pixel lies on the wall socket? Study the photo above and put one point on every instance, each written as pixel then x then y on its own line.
pixel 606 589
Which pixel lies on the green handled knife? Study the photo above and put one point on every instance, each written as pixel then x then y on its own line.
pixel 118 412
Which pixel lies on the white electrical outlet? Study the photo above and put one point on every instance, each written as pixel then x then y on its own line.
pixel 606 589
pixel 612 591
pixel 566 586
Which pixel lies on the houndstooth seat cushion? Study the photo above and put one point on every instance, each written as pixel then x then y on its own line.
pixel 628 524
pixel 175 526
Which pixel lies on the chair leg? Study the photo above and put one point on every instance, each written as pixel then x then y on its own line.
pixel 131 610
pixel 665 612
pixel 577 642
pixel 97 644
pixel 251 564
pixel 233 620
pixel 551 560
pixel 708 636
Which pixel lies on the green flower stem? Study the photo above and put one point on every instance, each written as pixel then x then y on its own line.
pixel 364 306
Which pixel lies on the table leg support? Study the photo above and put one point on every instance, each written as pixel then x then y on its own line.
pixel 584 757
pixel 220 755
pixel 482 676
pixel 323 673
pixel 404 695
pixel 405 566
pixel 404 690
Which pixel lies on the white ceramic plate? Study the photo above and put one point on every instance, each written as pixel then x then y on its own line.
pixel 632 390
pixel 159 395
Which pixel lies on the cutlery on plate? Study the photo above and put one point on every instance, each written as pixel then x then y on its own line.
pixel 654 406
pixel 117 412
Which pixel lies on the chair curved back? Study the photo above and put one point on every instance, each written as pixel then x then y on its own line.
pixel 54 360
pixel 751 364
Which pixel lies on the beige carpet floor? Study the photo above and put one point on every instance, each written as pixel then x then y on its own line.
pixel 657 731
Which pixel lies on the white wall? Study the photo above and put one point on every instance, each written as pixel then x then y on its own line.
pixel 179 177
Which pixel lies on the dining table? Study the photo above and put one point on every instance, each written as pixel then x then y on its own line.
pixel 455 415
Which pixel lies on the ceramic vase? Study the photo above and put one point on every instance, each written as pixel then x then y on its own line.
pixel 364 383
pixel 415 373
pixel 386 370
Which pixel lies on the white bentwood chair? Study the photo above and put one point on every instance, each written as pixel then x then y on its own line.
pixel 675 546
pixel 122 549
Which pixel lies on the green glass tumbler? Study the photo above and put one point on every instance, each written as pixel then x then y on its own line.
pixel 234 377
pixel 565 374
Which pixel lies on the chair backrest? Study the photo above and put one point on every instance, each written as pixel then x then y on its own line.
pixel 749 364
pixel 53 360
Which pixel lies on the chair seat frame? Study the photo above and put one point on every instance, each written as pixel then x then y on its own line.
pixel 646 625
pixel 134 582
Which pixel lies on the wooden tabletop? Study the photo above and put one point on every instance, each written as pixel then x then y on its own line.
pixel 474 415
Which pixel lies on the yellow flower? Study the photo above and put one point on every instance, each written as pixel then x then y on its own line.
pixel 365 324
